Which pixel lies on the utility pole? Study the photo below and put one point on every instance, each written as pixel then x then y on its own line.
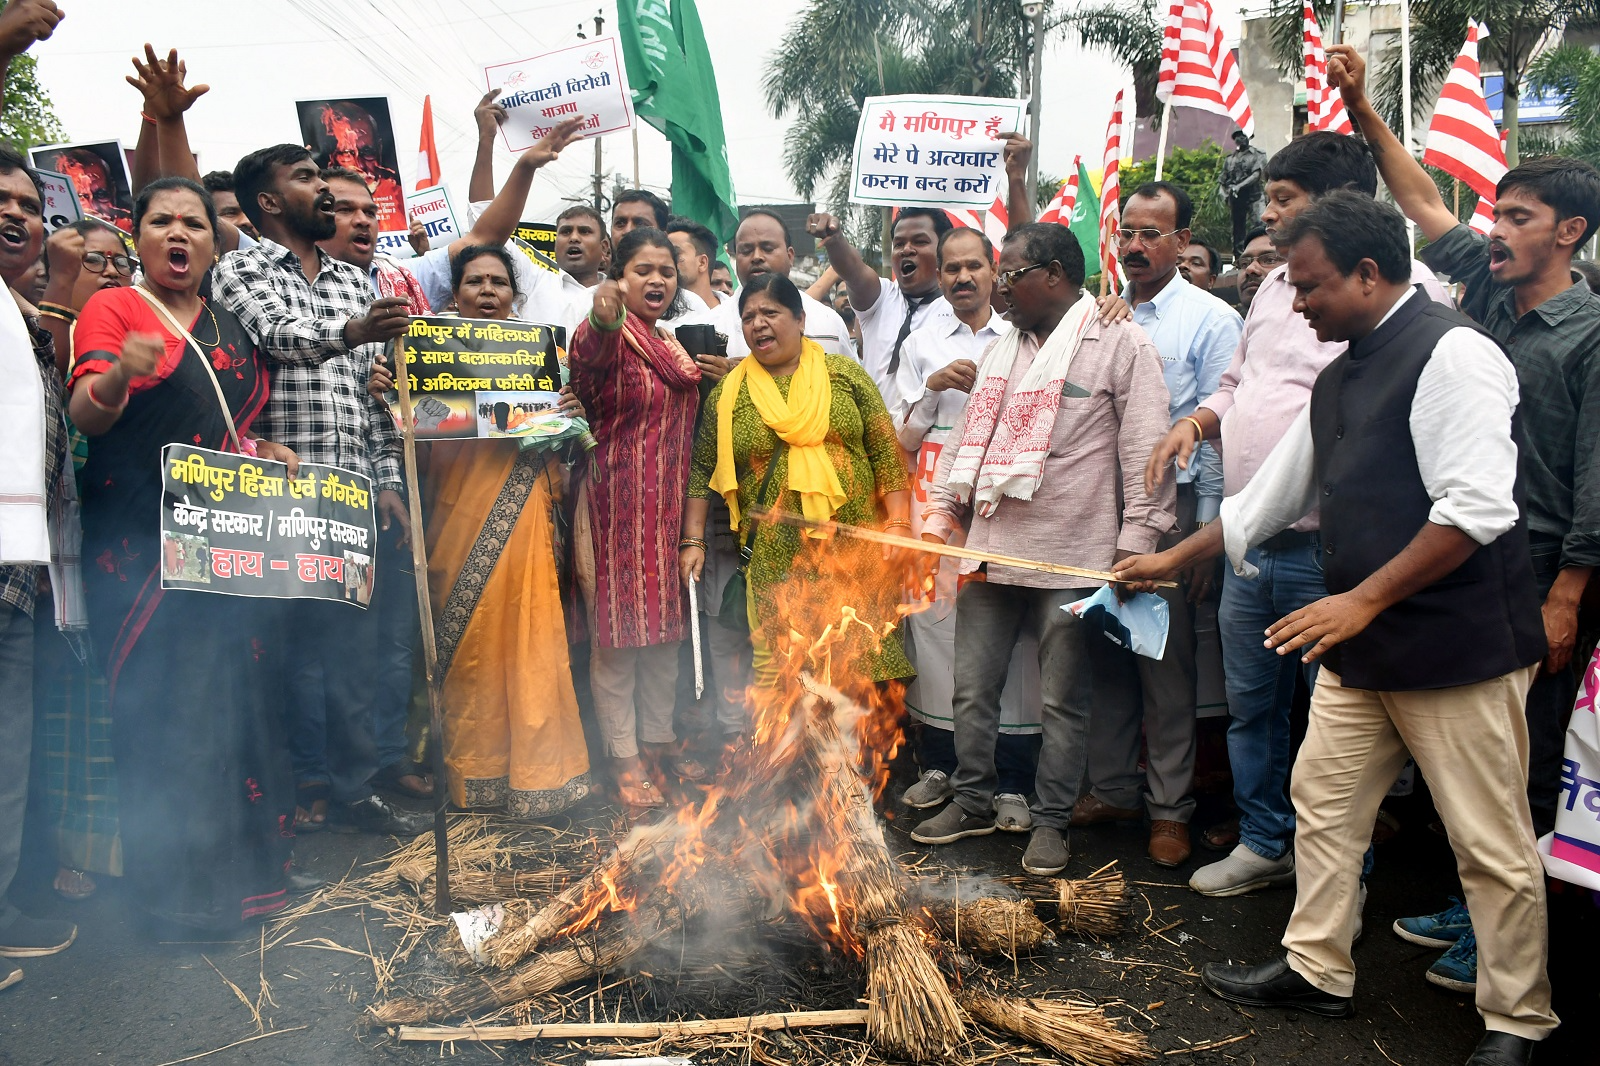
pixel 599 164
pixel 1033 11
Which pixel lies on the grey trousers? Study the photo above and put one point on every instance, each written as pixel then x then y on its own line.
pixel 16 738
pixel 1165 712
pixel 989 617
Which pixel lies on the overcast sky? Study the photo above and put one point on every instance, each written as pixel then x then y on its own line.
pixel 259 56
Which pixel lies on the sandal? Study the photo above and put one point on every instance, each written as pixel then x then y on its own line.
pixel 643 795
pixel 1224 836
pixel 311 807
pixel 74 886
pixel 395 778
pixel 687 768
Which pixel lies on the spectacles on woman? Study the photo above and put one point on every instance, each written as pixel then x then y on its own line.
pixel 1008 278
pixel 1266 259
pixel 96 261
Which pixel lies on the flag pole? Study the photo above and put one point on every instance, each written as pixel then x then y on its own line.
pixel 1336 27
pixel 1405 101
pixel 1161 144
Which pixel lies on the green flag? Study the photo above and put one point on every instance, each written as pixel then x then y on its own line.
pixel 675 90
pixel 1085 224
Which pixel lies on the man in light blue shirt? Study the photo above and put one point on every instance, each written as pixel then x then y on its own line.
pixel 1196 335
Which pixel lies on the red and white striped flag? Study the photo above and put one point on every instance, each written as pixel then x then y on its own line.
pixel 1482 217
pixel 428 172
pixel 1197 69
pixel 1462 139
pixel 993 223
pixel 1059 210
pixel 1111 196
pixel 1324 106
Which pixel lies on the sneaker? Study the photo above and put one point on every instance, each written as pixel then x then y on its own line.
pixel 1457 969
pixel 10 974
pixel 1047 852
pixel 1011 814
pixel 373 815
pixel 1436 930
pixel 951 824
pixel 28 938
pixel 932 788
pixel 1241 873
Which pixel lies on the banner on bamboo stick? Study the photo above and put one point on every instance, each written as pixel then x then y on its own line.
pixel 240 526
pixel 475 378
pixel 934 151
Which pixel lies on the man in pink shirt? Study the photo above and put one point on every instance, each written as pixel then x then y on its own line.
pixel 1262 392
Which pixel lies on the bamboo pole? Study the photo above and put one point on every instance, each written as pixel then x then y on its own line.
pixel 934 548
pixel 430 648
pixel 757 1023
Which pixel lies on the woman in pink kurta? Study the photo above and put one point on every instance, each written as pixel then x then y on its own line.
pixel 640 389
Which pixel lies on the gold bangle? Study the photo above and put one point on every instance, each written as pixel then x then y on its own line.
pixel 692 542
pixel 45 313
pixel 61 310
pixel 1200 431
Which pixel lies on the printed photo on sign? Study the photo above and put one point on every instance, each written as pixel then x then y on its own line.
pixel 240 526
pixel 933 151
pixel 61 207
pixel 473 377
pixel 584 80
pixel 356 133
pixel 98 172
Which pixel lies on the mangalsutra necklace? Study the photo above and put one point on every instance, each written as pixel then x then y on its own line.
pixel 216 326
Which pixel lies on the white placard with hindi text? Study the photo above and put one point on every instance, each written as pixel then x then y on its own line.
pixel 436 211
pixel 586 80
pixel 61 207
pixel 934 151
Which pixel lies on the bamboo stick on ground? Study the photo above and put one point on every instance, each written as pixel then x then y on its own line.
pixel 757 1023
pixel 1080 1032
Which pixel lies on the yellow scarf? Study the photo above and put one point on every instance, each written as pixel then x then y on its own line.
pixel 801 422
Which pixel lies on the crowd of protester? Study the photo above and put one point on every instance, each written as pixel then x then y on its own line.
pixel 1402 482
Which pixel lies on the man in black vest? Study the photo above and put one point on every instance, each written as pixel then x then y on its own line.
pixel 1431 631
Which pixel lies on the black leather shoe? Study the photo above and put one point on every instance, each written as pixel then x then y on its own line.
pixel 1502 1049
pixel 1272 984
pixel 300 884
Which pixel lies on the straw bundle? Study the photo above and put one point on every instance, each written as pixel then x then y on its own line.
pixel 1077 1031
pixel 497 886
pixel 1097 905
pixel 990 925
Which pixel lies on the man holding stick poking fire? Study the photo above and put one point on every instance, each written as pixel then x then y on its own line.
pixel 1064 411
pixel 1431 631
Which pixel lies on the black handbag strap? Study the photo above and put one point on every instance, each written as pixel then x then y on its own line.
pixel 745 550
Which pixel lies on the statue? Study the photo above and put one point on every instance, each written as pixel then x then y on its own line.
pixel 1240 184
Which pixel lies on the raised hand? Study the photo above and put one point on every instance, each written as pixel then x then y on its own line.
pixel 162 83
pixel 1018 153
pixel 64 250
pixel 549 147
pixel 823 226
pixel 141 354
pixel 489 114
pixel 25 21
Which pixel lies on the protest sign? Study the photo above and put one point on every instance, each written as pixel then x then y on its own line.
pixel 98 172
pixel 537 241
pixel 935 151
pixel 61 207
pixel 436 211
pixel 239 526
pixel 357 133
pixel 586 79
pixel 472 377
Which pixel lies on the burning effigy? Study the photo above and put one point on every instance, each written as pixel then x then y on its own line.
pixel 785 845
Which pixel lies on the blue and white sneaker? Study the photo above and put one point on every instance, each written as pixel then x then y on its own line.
pixel 1436 930
pixel 1457 969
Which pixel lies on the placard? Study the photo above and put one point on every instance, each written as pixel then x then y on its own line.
pixel 937 151
pixel 537 241
pixel 472 377
pixel 239 526
pixel 356 133
pixel 99 173
pixel 585 79
pixel 436 211
pixel 61 207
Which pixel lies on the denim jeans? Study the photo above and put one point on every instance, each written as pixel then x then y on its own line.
pixel 989 617
pixel 1260 686
pixel 394 603
pixel 331 646
pixel 1015 757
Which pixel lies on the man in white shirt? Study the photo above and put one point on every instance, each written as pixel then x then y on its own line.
pixel 937 368
pixel 1431 632
pixel 697 250
pixel 1195 334
pixel 762 245
pixel 888 310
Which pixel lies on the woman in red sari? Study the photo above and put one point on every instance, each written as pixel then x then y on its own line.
pixel 207 802
pixel 640 389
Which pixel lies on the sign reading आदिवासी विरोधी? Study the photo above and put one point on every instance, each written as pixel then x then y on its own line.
pixel 585 80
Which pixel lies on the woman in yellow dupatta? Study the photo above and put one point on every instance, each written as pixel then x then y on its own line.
pixel 840 460
pixel 512 737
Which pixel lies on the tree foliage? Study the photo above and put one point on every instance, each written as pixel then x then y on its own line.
pixel 1573 71
pixel 26 115
pixel 1128 31
pixel 1195 170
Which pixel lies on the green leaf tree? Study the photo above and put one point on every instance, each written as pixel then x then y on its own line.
pixel 27 117
pixel 1130 32
pixel 1195 170
pixel 1573 71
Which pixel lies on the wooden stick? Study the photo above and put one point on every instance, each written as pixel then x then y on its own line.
pixel 934 548
pixel 758 1023
pixel 430 648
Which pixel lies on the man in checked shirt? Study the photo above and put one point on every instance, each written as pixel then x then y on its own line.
pixel 317 322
